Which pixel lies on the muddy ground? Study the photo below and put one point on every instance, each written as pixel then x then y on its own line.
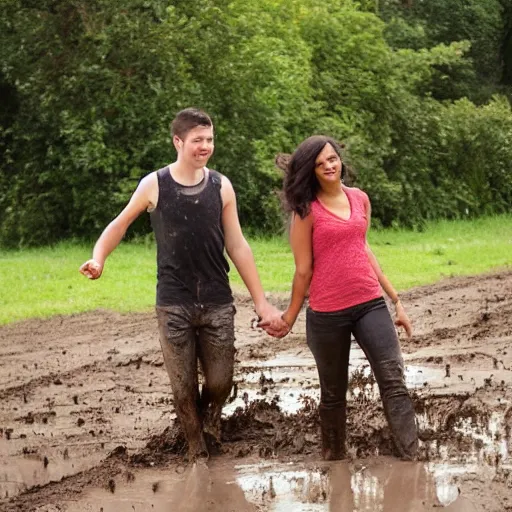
pixel 87 422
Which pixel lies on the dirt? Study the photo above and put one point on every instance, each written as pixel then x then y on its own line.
pixel 87 422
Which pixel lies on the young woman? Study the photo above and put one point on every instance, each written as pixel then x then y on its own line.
pixel 328 232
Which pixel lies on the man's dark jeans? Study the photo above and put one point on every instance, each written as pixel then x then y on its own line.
pixel 204 333
pixel 329 337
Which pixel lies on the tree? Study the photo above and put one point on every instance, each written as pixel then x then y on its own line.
pixel 481 22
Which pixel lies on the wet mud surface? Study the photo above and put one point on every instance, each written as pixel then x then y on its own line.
pixel 87 419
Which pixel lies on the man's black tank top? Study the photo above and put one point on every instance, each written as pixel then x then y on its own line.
pixel 187 222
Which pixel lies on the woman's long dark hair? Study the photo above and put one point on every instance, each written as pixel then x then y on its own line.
pixel 300 184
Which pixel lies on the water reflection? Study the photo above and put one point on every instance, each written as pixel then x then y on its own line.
pixel 383 486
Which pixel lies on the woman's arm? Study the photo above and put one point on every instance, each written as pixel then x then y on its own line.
pixel 301 231
pixel 401 320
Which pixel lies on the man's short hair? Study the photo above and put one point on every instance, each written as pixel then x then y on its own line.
pixel 187 120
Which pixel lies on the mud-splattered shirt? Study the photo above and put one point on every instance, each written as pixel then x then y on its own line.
pixel 187 221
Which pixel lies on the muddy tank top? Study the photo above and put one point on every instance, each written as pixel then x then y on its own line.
pixel 187 221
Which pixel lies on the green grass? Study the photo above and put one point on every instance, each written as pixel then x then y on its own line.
pixel 446 248
pixel 43 282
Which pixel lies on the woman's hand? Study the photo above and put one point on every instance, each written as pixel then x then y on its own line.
pixel 402 320
pixel 279 330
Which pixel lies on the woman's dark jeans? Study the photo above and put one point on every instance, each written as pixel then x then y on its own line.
pixel 329 337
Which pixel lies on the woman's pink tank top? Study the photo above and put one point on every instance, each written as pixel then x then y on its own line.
pixel 342 273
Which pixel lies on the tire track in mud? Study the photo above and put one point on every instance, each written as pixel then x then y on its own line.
pixel 76 373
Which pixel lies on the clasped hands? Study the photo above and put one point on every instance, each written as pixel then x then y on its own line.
pixel 271 319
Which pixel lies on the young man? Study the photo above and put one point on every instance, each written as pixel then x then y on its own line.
pixel 194 217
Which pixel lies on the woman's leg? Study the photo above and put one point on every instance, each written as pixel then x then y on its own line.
pixel 376 334
pixel 328 337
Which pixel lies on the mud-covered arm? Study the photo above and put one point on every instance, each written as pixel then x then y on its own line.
pixel 402 319
pixel 115 231
pixel 301 231
pixel 242 256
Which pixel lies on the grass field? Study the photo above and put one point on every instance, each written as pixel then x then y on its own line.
pixel 45 281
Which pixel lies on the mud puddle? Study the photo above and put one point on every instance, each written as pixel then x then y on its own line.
pixel 474 439
pixel 369 486
pixel 68 424
pixel 383 485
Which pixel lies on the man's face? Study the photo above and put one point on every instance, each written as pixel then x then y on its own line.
pixel 197 146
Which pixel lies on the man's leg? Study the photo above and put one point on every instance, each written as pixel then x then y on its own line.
pixel 178 341
pixel 376 334
pixel 216 347
pixel 328 337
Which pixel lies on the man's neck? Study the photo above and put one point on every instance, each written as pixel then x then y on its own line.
pixel 186 175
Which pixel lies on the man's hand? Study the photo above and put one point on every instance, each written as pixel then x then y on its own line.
pixel 402 320
pixel 270 319
pixel 91 269
pixel 278 332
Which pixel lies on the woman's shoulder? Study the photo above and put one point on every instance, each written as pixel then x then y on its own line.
pixel 315 204
pixel 357 192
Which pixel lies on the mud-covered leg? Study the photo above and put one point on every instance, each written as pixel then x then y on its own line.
pixel 217 354
pixel 178 341
pixel 328 337
pixel 376 334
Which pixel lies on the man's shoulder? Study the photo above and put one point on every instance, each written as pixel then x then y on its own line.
pixel 150 178
pixel 158 172
pixel 218 178
pixel 215 174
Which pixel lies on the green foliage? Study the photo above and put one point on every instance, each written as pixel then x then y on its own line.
pixel 483 23
pixel 92 86
pixel 454 162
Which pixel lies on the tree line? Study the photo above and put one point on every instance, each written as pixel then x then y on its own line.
pixel 419 93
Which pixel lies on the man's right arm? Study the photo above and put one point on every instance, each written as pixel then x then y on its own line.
pixel 141 200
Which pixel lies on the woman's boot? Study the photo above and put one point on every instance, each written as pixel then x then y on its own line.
pixel 332 427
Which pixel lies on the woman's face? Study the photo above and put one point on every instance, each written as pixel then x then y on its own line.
pixel 328 166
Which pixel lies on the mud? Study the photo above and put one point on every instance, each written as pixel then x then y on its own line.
pixel 87 419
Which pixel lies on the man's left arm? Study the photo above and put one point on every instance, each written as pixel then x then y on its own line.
pixel 242 256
